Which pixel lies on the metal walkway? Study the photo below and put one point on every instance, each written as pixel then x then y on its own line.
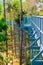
pixel 34 28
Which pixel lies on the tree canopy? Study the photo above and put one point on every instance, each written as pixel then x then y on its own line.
pixel 0 9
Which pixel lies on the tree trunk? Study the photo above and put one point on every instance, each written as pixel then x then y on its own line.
pixel 5 31
pixel 21 33
pixel 11 26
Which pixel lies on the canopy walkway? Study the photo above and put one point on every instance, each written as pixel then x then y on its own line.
pixel 32 28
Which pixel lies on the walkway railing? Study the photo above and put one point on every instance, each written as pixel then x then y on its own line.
pixel 34 27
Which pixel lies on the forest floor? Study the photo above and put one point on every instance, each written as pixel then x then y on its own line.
pixel 15 60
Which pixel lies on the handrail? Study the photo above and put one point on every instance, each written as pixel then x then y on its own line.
pixel 37 27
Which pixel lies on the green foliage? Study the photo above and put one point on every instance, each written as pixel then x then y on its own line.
pixel 17 19
pixel 9 7
pixel 28 56
pixel 3 28
pixel 1 57
pixel 0 8
pixel 3 37
pixel 1 60
pixel 16 5
pixel 7 59
pixel 17 11
pixel 3 25
pixel 14 9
